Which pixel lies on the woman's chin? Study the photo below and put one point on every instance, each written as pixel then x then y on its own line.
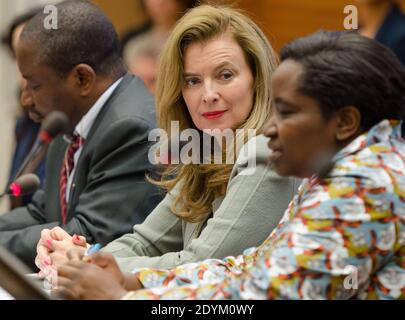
pixel 285 171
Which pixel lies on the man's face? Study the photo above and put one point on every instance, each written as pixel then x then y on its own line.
pixel 46 90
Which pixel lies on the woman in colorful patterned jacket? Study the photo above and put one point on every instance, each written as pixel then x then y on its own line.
pixel 338 101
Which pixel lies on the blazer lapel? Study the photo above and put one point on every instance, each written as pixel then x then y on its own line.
pixel 122 85
pixel 189 233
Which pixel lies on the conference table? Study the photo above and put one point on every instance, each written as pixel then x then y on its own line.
pixel 43 284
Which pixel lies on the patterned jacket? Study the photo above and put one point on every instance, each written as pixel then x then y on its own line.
pixel 342 237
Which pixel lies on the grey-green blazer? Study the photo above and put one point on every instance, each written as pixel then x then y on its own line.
pixel 251 209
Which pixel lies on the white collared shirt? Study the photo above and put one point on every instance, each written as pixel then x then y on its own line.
pixel 84 126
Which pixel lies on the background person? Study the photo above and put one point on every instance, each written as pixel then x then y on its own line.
pixel 26 130
pixel 383 21
pixel 141 47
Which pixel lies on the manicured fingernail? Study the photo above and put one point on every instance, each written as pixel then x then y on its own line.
pixel 77 237
pixel 46 263
pixel 49 243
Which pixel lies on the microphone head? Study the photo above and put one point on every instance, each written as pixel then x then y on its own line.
pixel 56 122
pixel 26 184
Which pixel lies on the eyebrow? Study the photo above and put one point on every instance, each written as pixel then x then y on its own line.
pixel 221 65
pixel 224 64
pixel 30 78
pixel 189 74
pixel 281 101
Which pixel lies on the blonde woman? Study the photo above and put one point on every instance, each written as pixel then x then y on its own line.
pixel 214 74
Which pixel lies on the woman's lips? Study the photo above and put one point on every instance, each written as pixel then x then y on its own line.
pixel 213 114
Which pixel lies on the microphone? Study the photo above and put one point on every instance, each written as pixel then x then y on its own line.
pixel 25 184
pixel 56 122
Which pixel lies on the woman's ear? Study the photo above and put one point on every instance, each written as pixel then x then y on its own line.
pixel 348 123
pixel 85 78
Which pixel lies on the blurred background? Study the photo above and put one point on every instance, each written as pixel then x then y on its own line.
pixel 281 20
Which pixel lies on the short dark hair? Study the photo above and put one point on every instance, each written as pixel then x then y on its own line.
pixel 84 34
pixel 346 69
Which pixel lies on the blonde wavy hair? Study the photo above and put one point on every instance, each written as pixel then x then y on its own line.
pixel 200 184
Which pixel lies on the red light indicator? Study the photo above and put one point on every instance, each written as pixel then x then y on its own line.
pixel 15 189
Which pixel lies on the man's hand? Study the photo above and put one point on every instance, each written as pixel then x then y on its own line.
pixel 87 281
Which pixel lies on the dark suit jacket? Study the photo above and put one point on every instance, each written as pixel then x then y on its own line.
pixel 109 193
pixel 392 32
pixel 26 132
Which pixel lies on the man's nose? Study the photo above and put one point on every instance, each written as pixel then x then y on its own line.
pixel 26 99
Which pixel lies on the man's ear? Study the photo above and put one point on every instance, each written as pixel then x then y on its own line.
pixel 348 123
pixel 84 77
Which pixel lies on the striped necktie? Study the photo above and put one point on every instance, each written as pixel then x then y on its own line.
pixel 66 170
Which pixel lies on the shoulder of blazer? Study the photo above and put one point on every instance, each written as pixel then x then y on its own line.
pixel 129 100
pixel 256 148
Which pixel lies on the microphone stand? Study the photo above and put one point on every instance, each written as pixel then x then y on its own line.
pixel 32 160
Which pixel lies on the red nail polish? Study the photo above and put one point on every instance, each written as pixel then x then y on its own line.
pixel 49 243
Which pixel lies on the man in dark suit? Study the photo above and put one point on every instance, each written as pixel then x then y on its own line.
pixel 392 32
pixel 95 180
pixel 383 21
pixel 26 130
